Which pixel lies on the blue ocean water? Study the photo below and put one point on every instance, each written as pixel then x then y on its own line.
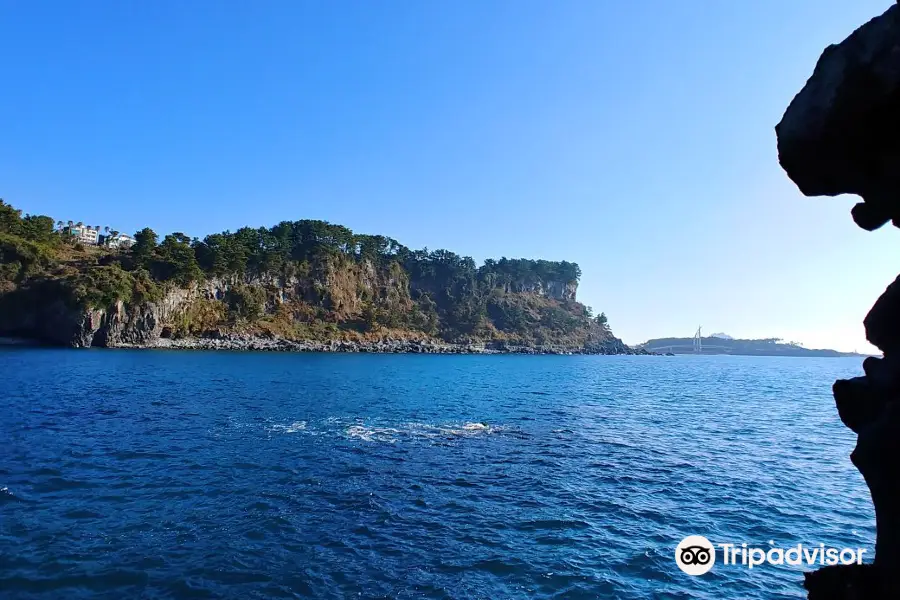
pixel 163 474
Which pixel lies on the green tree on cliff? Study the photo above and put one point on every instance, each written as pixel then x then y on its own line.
pixel 602 321
pixel 175 260
pixel 144 246
pixel 10 219
pixel 37 228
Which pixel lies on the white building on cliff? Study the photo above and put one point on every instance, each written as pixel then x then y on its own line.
pixel 85 234
pixel 120 240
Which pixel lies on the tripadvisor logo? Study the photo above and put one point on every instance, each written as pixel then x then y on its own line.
pixel 696 555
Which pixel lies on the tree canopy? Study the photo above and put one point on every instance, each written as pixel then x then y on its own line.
pixel 267 250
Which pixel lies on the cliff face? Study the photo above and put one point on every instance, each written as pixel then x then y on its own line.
pixel 55 322
pixel 200 307
pixel 564 291
pixel 841 134
pixel 331 300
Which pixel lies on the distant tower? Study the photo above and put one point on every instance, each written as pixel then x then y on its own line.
pixel 698 342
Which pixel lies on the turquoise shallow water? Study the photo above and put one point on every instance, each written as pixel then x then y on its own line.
pixel 232 475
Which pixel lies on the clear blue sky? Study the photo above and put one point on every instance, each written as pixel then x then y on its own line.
pixel 635 138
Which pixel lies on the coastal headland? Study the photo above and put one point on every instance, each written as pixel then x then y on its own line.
pixel 297 286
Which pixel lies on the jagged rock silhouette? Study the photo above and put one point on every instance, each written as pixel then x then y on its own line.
pixel 841 135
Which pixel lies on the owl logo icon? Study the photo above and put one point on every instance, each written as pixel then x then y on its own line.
pixel 695 555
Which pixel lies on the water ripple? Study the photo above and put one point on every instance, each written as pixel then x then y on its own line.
pixel 331 476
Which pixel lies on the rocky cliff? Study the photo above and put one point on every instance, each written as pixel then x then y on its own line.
pixel 298 286
pixel 841 135
pixel 196 316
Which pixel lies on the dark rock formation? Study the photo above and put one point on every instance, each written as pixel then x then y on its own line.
pixel 51 322
pixel 841 135
pixel 120 325
pixel 844 582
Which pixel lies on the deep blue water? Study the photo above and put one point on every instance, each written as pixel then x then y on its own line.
pixel 162 474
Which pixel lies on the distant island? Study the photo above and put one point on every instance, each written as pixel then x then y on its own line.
pixel 299 285
pixel 725 344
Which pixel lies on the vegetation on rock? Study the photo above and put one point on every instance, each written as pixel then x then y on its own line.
pixel 304 280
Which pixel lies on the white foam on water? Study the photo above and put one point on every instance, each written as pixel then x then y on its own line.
pixel 295 427
pixel 476 427
pixel 373 434
pixel 467 429
pixel 378 431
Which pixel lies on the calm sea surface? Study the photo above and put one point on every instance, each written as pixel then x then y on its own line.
pixel 154 474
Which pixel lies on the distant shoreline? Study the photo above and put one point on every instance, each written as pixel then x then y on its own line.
pixel 710 346
pixel 812 354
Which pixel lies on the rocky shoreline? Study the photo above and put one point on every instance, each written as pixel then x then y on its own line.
pixel 146 325
pixel 238 342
